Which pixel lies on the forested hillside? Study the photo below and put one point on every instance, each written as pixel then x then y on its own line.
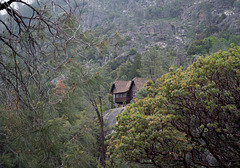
pixel 59 58
pixel 179 30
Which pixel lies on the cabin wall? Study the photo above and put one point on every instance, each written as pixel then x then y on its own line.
pixel 133 91
pixel 122 97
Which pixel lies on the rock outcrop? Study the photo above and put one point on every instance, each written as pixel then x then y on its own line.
pixel 109 118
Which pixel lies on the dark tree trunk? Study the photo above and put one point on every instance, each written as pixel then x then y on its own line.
pixel 102 139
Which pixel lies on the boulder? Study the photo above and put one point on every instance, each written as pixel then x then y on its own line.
pixel 109 118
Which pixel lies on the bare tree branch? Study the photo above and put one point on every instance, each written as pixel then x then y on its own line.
pixel 7 4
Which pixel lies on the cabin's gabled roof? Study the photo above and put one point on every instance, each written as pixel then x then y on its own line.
pixel 121 86
pixel 139 82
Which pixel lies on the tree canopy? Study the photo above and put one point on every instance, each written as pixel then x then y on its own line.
pixel 190 117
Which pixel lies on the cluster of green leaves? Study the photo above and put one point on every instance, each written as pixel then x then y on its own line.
pixel 207 45
pixel 146 137
pixel 189 118
pixel 154 63
pixel 128 70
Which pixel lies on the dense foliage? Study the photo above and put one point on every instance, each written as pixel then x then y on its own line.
pixel 190 117
pixel 42 123
pixel 59 58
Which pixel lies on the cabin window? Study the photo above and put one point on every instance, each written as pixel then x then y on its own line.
pixel 114 96
pixel 134 94
pixel 121 95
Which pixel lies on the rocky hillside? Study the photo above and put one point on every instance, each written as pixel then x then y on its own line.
pixel 164 23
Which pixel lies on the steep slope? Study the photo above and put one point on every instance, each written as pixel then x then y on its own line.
pixel 165 23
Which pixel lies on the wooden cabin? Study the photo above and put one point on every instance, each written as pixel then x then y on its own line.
pixel 125 91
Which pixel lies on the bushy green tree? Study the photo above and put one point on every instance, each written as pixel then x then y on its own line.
pixel 124 71
pixel 136 66
pixel 199 47
pixel 207 45
pixel 189 118
pixel 129 69
pixel 154 63
pixel 93 89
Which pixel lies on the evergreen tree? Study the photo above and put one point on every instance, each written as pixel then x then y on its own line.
pixel 154 63
pixel 136 66
pixel 92 87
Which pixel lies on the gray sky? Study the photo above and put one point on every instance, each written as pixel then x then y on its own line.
pixel 14 5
